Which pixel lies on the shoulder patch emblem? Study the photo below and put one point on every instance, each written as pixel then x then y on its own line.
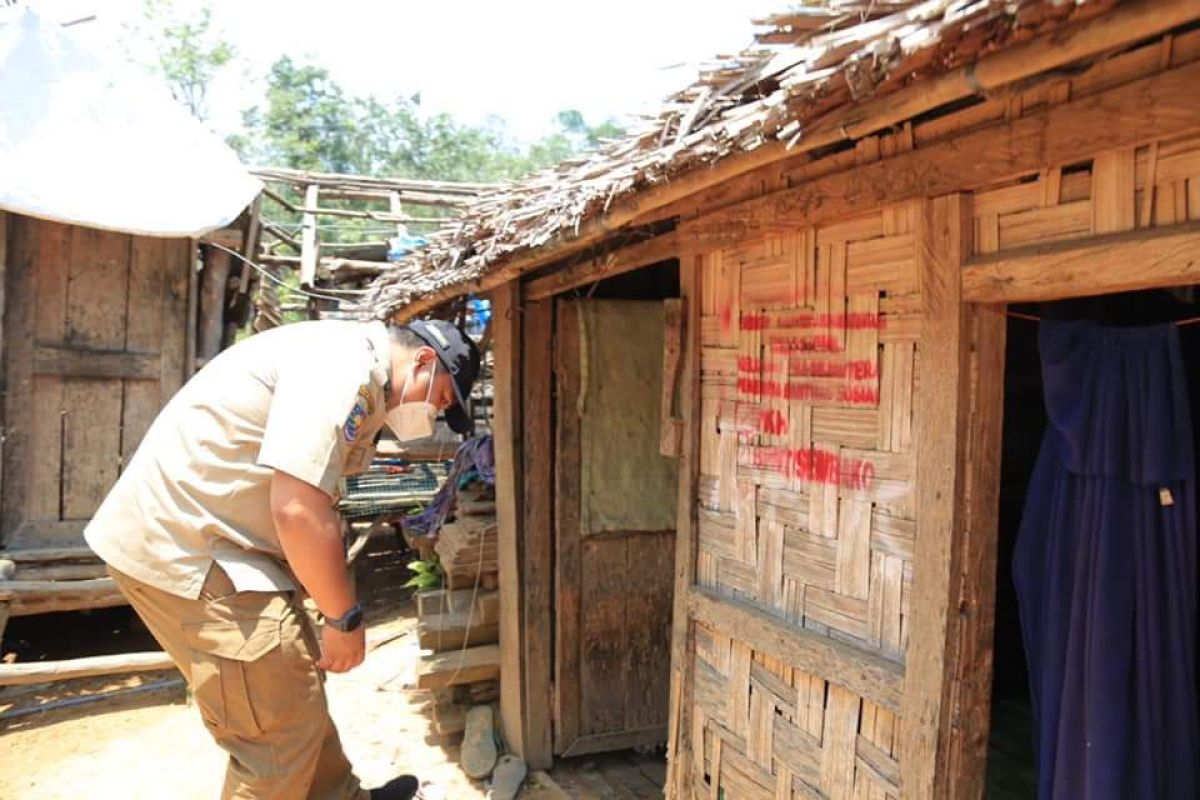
pixel 364 406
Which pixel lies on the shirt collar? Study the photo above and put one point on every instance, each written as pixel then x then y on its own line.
pixel 381 345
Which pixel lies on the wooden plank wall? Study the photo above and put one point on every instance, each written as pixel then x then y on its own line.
pixel 93 351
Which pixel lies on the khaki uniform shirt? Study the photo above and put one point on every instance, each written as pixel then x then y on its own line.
pixel 306 399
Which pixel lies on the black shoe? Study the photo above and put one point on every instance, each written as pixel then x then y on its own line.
pixel 402 788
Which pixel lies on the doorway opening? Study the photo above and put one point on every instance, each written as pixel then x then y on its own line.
pixel 615 498
pixel 1012 770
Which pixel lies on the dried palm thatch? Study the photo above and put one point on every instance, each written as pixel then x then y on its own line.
pixel 793 86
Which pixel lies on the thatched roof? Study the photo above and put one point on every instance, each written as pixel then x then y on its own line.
pixel 793 87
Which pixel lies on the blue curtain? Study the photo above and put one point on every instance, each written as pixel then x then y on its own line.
pixel 1105 568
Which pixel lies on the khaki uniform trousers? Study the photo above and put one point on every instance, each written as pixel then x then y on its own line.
pixel 250 660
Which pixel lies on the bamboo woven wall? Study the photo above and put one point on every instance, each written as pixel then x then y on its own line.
pixel 1121 190
pixel 808 367
pixel 810 362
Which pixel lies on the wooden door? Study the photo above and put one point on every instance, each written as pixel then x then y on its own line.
pixel 94 337
pixel 614 520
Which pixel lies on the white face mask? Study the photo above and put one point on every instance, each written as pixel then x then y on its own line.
pixel 413 420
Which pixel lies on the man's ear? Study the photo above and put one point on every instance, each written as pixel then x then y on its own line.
pixel 425 355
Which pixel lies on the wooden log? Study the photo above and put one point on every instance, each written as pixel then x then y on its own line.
pixel 47 671
pixel 8 569
pixel 460 666
pixel 43 597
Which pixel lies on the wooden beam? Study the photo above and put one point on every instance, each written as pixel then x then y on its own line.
pixel 506 432
pixel 679 728
pixel 626 259
pixel 1167 256
pixel 1152 108
pixel 1096 36
pixel 537 527
pixel 454 631
pixel 870 676
pixel 368 183
pixel 943 243
pixel 40 554
pixel 971 651
pixel 84 362
pixel 310 244
pixel 1090 38
pixel 459 666
pixel 46 671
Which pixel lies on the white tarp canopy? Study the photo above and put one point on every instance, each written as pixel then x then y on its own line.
pixel 87 138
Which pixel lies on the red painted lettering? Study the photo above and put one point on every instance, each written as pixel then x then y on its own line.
pixel 772 422
pixel 815 465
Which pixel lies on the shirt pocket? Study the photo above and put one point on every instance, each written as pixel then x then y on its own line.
pixel 224 653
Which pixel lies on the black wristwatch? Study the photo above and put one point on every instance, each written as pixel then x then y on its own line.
pixel 350 621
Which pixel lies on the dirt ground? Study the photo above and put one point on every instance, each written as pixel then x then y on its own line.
pixel 153 745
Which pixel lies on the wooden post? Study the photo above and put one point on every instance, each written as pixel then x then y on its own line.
pixel 679 744
pixel 193 315
pixel 3 373
pixel 506 430
pixel 212 301
pixel 943 243
pixel 671 431
pixel 975 584
pixel 310 252
pixel 537 527
pixel 397 209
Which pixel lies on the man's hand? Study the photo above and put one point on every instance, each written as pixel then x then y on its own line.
pixel 342 652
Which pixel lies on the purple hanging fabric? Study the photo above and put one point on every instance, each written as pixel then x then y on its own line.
pixel 1105 568
pixel 475 453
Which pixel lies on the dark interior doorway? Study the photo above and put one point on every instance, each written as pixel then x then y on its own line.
pixel 1011 771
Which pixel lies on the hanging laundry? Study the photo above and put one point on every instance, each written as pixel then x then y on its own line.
pixel 1105 568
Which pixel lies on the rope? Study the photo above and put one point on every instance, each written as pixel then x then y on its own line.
pixel 267 274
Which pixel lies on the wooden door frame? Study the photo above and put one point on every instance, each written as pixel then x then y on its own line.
pixel 953 704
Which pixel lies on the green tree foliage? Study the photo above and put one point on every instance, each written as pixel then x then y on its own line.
pixel 308 121
pixel 189 52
